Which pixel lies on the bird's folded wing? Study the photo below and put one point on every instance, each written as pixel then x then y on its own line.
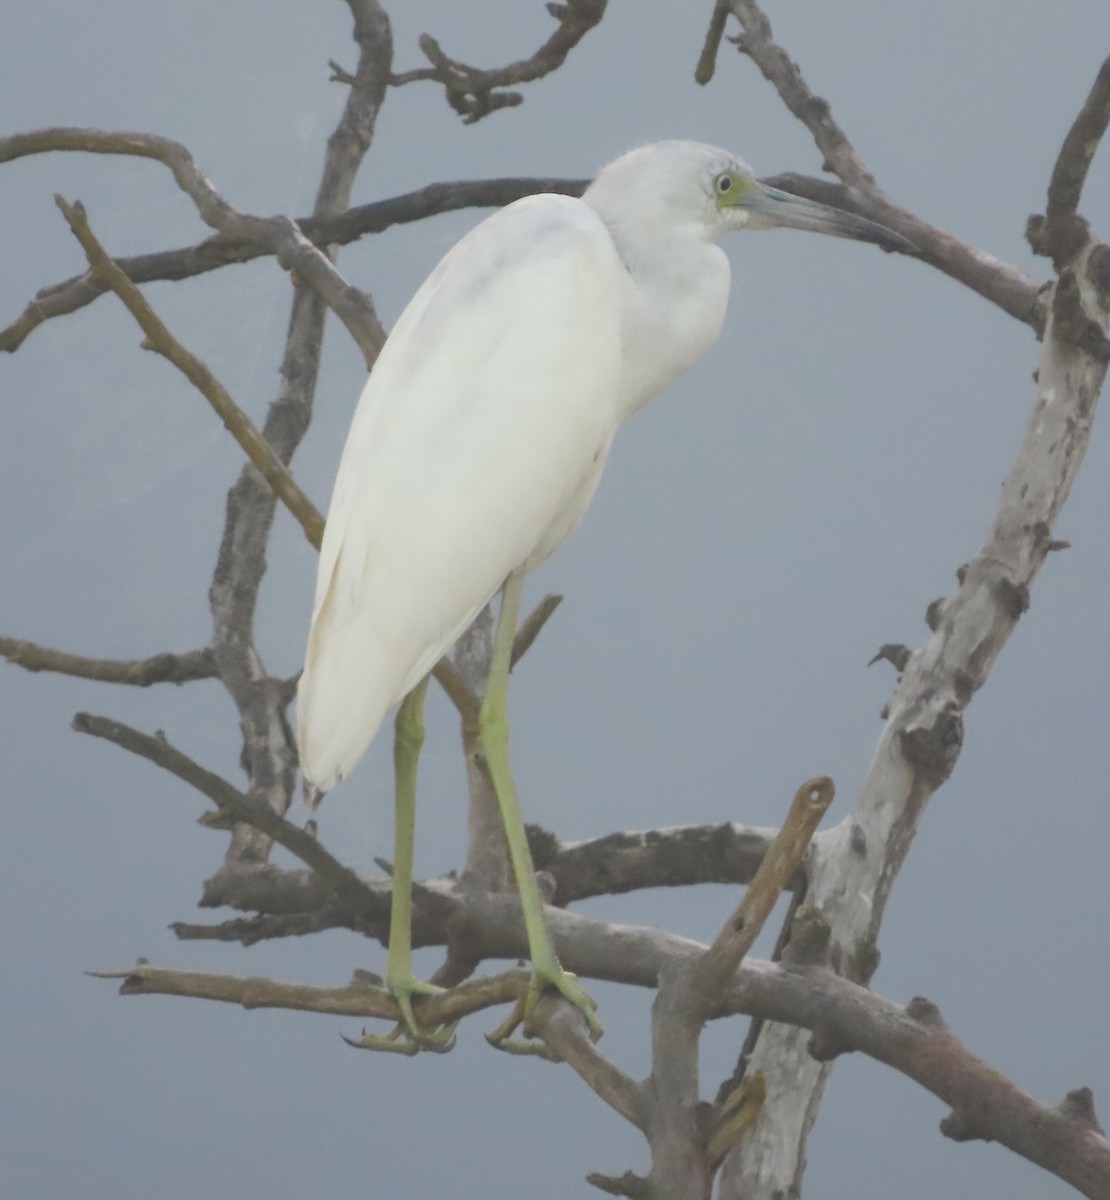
pixel 474 449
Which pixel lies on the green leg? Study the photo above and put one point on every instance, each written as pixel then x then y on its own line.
pixel 494 724
pixel 408 741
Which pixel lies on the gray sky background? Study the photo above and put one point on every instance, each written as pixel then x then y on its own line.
pixel 788 507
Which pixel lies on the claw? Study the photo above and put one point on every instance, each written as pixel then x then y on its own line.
pixel 400 1040
pixel 569 988
pixel 407 1036
pixel 502 1038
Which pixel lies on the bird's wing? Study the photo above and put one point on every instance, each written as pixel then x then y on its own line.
pixel 475 446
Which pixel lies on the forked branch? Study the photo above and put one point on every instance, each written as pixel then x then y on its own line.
pixel 783 859
pixel 990 277
pixel 1065 1140
pixel 159 339
pixel 275 235
pixel 326 229
pixel 474 92
pixel 237 806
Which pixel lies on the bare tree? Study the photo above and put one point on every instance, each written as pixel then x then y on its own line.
pixel 811 1004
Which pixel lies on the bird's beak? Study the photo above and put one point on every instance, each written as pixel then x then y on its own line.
pixel 769 208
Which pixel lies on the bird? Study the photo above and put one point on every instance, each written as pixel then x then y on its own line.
pixel 476 448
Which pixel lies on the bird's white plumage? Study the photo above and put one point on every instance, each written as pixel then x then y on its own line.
pixel 484 427
pixel 476 446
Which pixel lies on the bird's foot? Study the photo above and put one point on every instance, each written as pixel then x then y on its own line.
pixel 549 977
pixel 407 1036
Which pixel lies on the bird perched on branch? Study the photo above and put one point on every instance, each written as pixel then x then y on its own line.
pixel 476 448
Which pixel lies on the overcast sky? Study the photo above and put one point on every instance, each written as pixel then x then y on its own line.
pixel 792 504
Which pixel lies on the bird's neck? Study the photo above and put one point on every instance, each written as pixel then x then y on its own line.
pixel 678 285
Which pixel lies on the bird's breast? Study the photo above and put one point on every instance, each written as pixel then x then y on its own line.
pixel 671 319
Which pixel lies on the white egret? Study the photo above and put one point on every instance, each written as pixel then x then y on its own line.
pixel 478 443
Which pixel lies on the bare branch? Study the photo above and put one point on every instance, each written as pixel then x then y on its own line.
pixel 564 1031
pixel 783 858
pixel 855 865
pixel 249 931
pixel 777 66
pixel 157 749
pixel 993 279
pixel 610 865
pixel 276 235
pixel 913 1040
pixel 139 672
pixel 997 281
pixel 329 229
pixel 237 806
pixel 473 92
pixel 684 1153
pixel 636 1187
pixel 159 338
pixel 270 756
pixel 214 210
pixel 532 626
pixel 707 60
pixel 844 1015
pixel 680 1167
pixel 677 857
pixel 270 890
pixel 360 998
pixel 1061 233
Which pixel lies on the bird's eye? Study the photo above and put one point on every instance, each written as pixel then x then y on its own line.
pixel 724 184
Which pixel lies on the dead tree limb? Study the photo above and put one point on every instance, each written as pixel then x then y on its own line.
pixel 138 672
pixel 854 865
pixel 474 92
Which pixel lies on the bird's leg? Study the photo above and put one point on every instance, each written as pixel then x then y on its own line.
pixel 493 722
pixel 407 1037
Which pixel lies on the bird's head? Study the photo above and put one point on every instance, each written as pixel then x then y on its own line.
pixel 668 184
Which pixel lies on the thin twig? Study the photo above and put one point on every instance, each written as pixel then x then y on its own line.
pixel 276 235
pixel 237 806
pixel 783 858
pixel 532 626
pixel 777 66
pixel 139 672
pixel 159 339
pixel 214 210
pixel 474 92
pixel 156 749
